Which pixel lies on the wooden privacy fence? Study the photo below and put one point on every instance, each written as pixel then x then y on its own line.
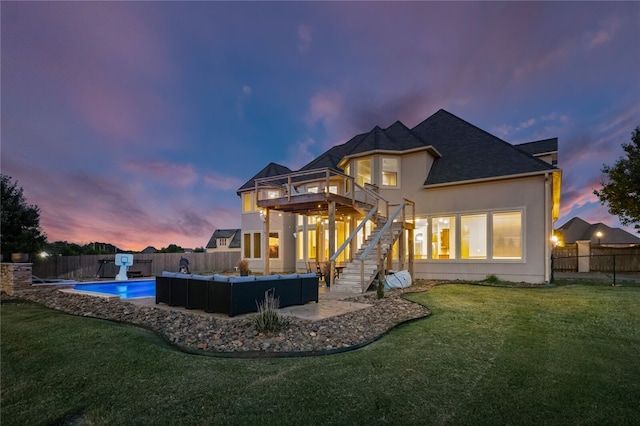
pixel 601 259
pixel 103 266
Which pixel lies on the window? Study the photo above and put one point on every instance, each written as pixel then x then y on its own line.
pixel 273 193
pixel 473 242
pixel 300 245
pixel 420 242
pixel 247 202
pixel 443 237
pixel 312 244
pixel 257 245
pixel 507 235
pixel 312 189
pixel 274 245
pixel 246 246
pixel 222 242
pixel 390 172
pixel 363 168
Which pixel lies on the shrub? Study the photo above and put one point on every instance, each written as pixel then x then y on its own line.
pixel 268 319
pixel 243 265
pixel 380 289
pixel 491 279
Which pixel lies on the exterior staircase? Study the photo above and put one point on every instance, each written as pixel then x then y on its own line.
pixel 350 280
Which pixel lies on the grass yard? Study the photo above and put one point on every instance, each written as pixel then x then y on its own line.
pixel 488 355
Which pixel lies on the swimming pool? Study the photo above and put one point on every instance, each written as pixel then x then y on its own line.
pixel 124 289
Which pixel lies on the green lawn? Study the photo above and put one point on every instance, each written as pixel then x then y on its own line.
pixel 487 355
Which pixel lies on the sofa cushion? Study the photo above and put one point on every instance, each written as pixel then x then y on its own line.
pixel 267 277
pixel 202 277
pixel 221 278
pixel 235 279
pixel 168 274
pixel 309 275
pixel 179 275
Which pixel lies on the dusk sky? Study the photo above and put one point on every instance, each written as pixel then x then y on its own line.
pixel 134 123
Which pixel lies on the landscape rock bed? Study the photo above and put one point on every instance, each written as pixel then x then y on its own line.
pixel 194 330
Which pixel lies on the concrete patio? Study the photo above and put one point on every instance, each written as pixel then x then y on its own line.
pixel 330 304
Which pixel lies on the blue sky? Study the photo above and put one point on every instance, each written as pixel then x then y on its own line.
pixel 135 122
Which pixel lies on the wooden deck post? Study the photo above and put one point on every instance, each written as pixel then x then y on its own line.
pixel 332 236
pixel 265 244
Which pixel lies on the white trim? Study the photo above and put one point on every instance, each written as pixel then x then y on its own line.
pixel 488 179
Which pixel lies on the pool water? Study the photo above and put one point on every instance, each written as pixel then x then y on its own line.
pixel 124 289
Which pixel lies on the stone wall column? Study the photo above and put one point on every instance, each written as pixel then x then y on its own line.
pixel 15 278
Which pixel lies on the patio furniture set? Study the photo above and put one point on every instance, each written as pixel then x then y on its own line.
pixel 234 295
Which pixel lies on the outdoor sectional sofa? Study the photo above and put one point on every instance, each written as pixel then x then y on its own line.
pixel 234 295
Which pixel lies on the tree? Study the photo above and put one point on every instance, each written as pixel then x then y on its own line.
pixel 20 221
pixel 171 248
pixel 622 190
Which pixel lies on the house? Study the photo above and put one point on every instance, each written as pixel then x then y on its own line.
pixel 444 199
pixel 224 240
pixel 577 229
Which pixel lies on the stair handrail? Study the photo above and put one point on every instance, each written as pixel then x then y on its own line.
pixel 344 245
pixel 386 226
pixel 376 242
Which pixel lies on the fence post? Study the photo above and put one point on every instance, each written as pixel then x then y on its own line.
pixel 614 269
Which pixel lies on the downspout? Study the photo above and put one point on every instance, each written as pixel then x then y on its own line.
pixel 547 222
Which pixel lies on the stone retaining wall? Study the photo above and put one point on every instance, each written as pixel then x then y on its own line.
pixel 15 278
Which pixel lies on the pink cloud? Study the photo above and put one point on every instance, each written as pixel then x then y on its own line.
pixel 169 174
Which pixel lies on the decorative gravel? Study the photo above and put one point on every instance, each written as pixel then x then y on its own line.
pixel 194 331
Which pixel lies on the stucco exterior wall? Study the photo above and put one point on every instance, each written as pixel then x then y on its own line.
pixel 522 194
pixel 284 225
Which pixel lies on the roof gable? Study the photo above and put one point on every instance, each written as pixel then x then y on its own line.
pixel 271 169
pixel 225 233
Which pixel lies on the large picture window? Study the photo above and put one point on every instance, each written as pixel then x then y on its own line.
pixel 390 171
pixel 473 241
pixel 507 235
pixel 443 237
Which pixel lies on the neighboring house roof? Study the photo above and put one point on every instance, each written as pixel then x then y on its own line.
pixel 541 147
pixel 461 151
pixel 149 249
pixel 578 229
pixel 225 233
pixel 272 169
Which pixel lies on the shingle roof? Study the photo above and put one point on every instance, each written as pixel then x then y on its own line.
pixel 462 151
pixel 543 146
pixel 470 153
pixel 578 229
pixel 225 233
pixel 272 169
